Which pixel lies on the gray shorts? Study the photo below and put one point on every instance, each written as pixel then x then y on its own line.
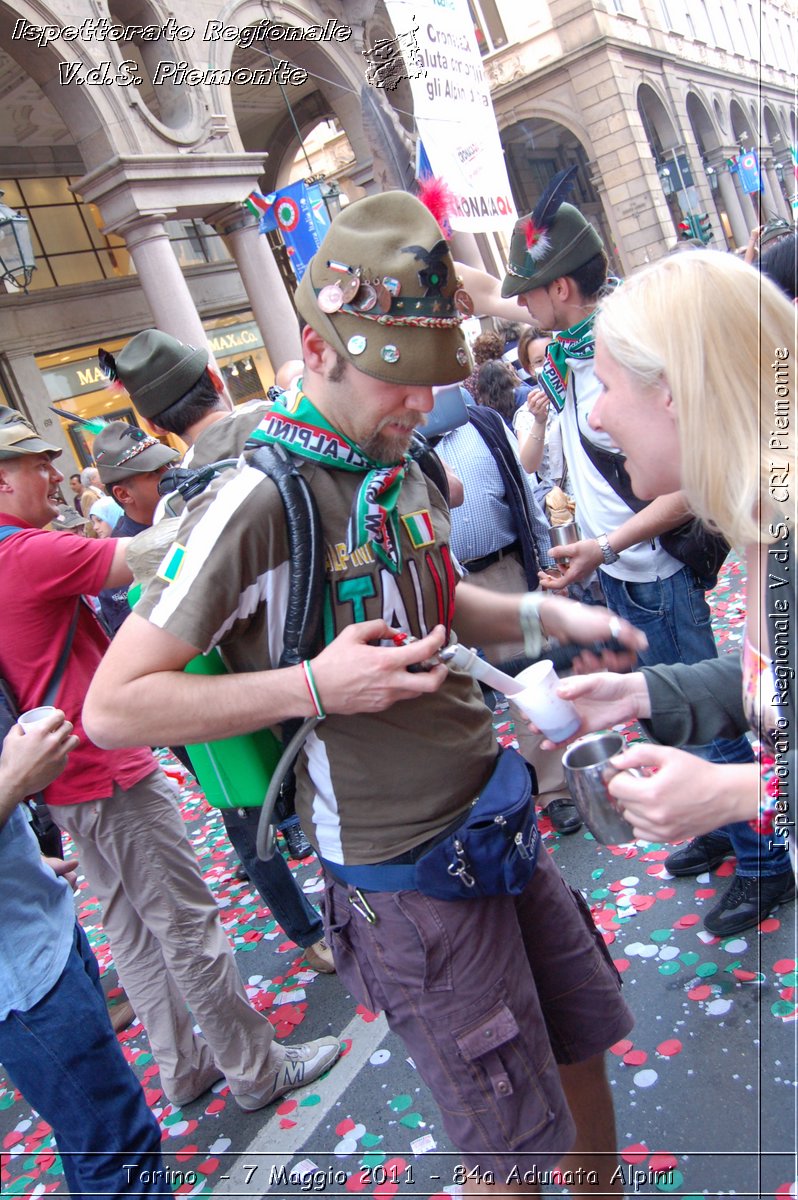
pixel 488 996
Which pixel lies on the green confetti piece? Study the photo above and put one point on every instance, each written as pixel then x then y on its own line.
pixel 668 968
pixel 600 894
pixel 597 873
pixel 412 1120
pixel 669 1181
pixel 783 1008
pixel 704 970
pixel 790 980
pixel 371 1139
pixel 372 1160
pixel 6 1100
pixel 173 1118
pixel 735 966
pixel 21 1187
pixel 661 935
pixel 143 1058
pixel 689 957
pixel 400 1103
pixel 310 1101
pixel 56 1167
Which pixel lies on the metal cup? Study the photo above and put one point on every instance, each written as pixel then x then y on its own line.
pixel 587 773
pixel 564 535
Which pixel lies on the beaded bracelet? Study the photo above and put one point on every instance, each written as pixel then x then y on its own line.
pixel 314 691
pixel 531 627
pixel 769 792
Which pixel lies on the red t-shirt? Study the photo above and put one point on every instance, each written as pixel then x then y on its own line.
pixel 42 576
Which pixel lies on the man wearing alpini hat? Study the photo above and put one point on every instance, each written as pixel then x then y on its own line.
pixel 504 1002
pixel 169 947
pixel 557 269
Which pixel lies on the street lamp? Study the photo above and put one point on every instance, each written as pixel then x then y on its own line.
pixel 712 176
pixel 16 250
pixel 665 178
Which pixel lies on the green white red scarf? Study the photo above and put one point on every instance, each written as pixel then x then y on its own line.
pixel 294 422
pixel 577 342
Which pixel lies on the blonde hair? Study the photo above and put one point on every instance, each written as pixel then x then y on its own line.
pixel 723 339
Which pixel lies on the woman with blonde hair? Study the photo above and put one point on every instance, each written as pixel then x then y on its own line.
pixel 696 355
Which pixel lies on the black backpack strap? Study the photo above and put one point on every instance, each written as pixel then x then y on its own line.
pixel 430 463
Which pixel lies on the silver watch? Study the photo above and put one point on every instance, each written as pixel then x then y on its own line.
pixel 607 552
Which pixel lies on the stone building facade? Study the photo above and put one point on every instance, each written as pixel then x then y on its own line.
pixel 130 155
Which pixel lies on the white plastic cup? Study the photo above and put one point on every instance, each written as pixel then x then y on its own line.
pixel 36 716
pixel 539 702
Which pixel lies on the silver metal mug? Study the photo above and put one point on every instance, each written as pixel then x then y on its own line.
pixel 587 773
pixel 564 535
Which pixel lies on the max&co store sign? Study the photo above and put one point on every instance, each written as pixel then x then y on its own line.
pixel 84 375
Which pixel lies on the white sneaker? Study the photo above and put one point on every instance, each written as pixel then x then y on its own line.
pixel 319 957
pixel 302 1064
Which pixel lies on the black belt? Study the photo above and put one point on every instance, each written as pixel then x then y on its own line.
pixel 481 564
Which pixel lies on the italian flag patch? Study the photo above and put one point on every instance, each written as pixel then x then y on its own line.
pixel 170 567
pixel 419 529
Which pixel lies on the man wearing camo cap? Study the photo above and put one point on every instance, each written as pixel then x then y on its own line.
pixel 505 1003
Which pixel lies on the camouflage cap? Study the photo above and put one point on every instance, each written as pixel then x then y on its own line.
pixel 382 289
pixel 571 241
pixel 17 436
pixel 121 450
pixel 68 518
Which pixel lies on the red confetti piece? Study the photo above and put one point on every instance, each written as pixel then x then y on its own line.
pixel 654 856
pixel 787 993
pixel 784 966
pixel 12 1139
pixel 622 964
pixel 608 937
pixel 687 921
pixel 701 992
pixel 186 1152
pixel 726 868
pixel 662 1162
pixel 670 1047
pixel 385 1191
pixel 287 1123
pixel 643 903
pixel 621 1047
pixel 635 1058
pixel 286 1107
pixel 704 893
pixel 358 1181
pixel 209 1166
pixel 655 870
pixel 635 1153
pixel 344 1127
pixel 770 925
pixel 215 1106
pixel 346 1046
pixel 666 893
pixel 743 975
pixel 365 1014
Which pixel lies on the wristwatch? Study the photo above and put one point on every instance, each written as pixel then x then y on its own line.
pixel 607 552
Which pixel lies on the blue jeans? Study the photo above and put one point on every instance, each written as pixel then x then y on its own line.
pixel 273 879
pixel 63 1056
pixel 675 617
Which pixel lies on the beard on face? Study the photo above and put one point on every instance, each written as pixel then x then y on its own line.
pixel 387 447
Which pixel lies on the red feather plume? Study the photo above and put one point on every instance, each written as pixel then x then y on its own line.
pixel 437 196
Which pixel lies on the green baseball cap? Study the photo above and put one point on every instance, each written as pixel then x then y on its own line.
pixel 17 436
pixel 156 370
pixel 567 243
pixel 383 291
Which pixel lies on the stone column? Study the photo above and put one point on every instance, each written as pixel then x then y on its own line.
pixel 729 199
pixel 162 280
pixel 273 311
pixel 773 197
pixel 28 392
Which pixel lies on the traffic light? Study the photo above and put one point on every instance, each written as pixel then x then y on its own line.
pixel 686 229
pixel 704 228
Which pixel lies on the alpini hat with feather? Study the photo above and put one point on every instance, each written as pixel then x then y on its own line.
pixel 553 240
pixel 382 289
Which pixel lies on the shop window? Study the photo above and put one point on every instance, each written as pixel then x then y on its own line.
pixel 196 243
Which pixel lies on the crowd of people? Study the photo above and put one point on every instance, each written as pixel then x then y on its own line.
pixel 645 411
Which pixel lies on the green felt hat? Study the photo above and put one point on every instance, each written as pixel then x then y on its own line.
pixel 17 436
pixel 382 290
pixel 121 450
pixel 156 370
pixel 539 256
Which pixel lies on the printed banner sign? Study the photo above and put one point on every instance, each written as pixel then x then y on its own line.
pixel 453 110
pixel 748 171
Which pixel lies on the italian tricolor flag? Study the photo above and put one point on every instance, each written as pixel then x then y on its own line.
pixel 419 529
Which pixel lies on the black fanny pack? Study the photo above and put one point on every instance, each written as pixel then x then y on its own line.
pixel 491 852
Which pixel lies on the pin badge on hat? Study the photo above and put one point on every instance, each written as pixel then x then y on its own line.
pixel 356 344
pixel 384 298
pixel 390 354
pixel 461 354
pixel 331 298
pixel 350 288
pixel 393 285
pixel 366 298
